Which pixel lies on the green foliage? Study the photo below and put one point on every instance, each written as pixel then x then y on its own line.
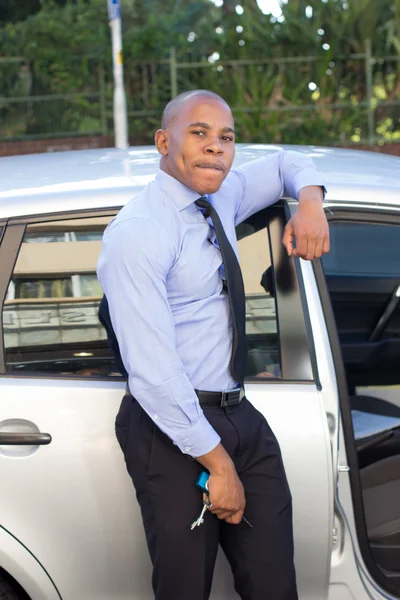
pixel 66 49
pixel 16 11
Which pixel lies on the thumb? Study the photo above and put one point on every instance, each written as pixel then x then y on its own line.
pixel 288 237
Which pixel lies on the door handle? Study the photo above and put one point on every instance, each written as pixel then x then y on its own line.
pixel 24 439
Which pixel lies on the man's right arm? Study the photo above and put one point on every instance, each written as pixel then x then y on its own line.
pixel 132 270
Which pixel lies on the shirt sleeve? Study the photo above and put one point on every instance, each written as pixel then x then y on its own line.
pixel 265 180
pixel 132 270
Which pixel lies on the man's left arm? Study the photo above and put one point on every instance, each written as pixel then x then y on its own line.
pixel 264 181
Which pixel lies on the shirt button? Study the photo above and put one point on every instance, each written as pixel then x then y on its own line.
pixel 156 417
pixel 187 449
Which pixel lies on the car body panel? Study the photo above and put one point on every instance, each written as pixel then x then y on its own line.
pixel 16 560
pixel 93 179
pixel 81 520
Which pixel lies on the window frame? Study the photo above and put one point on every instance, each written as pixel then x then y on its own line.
pixel 3 225
pixel 292 370
pixel 291 302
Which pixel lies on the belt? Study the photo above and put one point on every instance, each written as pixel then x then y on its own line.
pixel 222 399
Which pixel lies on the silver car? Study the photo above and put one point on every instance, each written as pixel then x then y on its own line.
pixel 323 367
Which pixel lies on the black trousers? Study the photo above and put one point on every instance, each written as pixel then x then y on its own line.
pixel 261 557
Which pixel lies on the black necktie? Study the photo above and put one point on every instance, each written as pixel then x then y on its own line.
pixel 235 287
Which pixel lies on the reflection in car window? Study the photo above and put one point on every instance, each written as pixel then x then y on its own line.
pixel 261 326
pixel 351 245
pixel 50 313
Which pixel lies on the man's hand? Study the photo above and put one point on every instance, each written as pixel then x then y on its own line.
pixel 225 488
pixel 308 226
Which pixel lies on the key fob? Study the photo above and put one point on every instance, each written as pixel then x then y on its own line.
pixel 202 482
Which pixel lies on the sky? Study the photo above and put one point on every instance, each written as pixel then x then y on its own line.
pixel 268 7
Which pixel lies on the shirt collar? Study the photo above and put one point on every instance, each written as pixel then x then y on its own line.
pixel 177 192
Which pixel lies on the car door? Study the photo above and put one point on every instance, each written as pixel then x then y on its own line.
pixel 362 277
pixel 65 492
pixel 69 501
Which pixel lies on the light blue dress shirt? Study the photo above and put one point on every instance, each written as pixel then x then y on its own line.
pixel 162 279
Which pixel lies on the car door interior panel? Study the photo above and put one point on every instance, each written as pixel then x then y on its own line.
pixel 367 313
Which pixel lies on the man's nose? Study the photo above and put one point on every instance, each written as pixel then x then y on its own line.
pixel 214 146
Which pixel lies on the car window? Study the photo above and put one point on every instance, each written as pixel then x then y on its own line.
pixel 50 314
pixel 363 248
pixel 261 321
pixel 363 276
pixel 50 311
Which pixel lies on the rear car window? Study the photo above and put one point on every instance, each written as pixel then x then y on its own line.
pixel 50 314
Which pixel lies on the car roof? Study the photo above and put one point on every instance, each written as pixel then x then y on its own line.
pixel 102 178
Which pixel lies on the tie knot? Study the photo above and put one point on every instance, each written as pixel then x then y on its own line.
pixel 203 203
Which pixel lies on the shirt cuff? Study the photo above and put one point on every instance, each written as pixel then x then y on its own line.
pixel 308 176
pixel 199 439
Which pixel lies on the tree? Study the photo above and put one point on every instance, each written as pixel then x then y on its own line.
pixel 65 43
pixel 12 11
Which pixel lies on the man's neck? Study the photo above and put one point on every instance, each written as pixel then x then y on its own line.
pixel 163 167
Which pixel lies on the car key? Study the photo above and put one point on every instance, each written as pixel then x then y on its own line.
pixel 207 504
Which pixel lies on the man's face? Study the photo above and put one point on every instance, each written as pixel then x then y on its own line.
pixel 198 147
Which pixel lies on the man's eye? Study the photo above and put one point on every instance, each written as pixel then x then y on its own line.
pixel 227 138
pixel 198 132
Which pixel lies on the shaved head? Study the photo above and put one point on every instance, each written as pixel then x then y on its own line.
pixel 174 107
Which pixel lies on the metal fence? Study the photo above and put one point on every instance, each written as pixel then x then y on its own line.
pixel 307 99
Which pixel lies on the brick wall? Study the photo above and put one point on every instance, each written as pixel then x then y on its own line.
pixel 386 149
pixel 55 145
pixel 103 141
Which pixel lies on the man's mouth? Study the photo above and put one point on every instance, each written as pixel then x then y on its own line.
pixel 211 165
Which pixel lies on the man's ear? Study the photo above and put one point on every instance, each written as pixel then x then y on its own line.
pixel 161 141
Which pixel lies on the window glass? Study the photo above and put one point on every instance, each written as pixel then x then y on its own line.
pixel 363 249
pixel 50 313
pixel 67 236
pixel 50 316
pixel 261 326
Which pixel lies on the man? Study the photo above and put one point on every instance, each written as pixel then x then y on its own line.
pixel 177 307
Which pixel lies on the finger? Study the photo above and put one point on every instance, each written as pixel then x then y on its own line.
pixel 219 511
pixel 301 246
pixel 216 510
pixel 221 514
pixel 236 518
pixel 319 247
pixel 224 516
pixel 287 240
pixel 326 246
pixel 311 245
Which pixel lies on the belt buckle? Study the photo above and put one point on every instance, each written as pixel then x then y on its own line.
pixel 225 397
